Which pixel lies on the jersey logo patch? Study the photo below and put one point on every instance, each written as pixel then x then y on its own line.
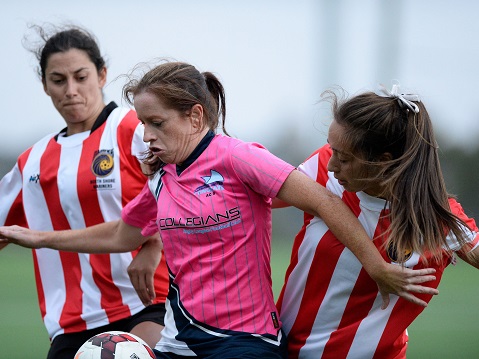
pixel 103 163
pixel 34 178
pixel 214 182
pixel 393 256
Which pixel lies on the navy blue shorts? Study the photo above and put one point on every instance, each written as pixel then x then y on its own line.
pixel 243 346
pixel 65 346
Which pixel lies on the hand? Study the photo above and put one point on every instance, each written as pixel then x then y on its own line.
pixel 142 270
pixel 21 236
pixel 395 279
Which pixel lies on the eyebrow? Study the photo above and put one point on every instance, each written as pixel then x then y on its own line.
pixel 75 72
pixel 338 151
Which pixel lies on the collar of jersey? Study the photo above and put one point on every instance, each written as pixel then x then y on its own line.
pixel 100 119
pixel 196 152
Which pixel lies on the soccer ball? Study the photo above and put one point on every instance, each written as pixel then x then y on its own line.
pixel 115 345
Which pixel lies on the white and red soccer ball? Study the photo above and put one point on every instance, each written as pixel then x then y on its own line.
pixel 115 345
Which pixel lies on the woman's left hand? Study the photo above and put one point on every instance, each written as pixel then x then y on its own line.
pixel 143 267
pixel 395 279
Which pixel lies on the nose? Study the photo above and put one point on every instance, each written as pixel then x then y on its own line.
pixel 71 89
pixel 333 165
pixel 147 134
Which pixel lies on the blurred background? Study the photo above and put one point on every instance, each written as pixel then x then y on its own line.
pixel 275 58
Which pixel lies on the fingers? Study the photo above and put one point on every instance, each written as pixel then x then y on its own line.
pixel 413 299
pixel 150 285
pixel 421 289
pixel 138 282
pixel 385 297
pixel 142 290
pixel 419 272
pixel 421 279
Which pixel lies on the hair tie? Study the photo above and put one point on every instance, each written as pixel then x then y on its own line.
pixel 403 99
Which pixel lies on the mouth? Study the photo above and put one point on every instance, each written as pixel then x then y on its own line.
pixel 156 151
pixel 341 182
pixel 71 104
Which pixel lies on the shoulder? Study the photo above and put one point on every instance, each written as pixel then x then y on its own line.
pixel 123 116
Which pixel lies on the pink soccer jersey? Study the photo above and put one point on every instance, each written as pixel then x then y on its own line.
pixel 330 307
pixel 70 183
pixel 215 222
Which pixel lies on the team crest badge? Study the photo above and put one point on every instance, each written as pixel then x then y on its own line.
pixel 393 255
pixel 103 163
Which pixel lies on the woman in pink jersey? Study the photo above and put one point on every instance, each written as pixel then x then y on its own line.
pixel 78 177
pixel 210 197
pixel 382 159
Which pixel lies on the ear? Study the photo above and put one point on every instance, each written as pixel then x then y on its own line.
pixel 45 88
pixel 196 116
pixel 102 76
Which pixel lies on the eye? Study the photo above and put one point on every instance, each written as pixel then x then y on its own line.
pixel 57 81
pixel 157 123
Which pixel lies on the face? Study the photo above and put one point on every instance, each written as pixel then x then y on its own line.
pixel 347 168
pixel 75 87
pixel 172 135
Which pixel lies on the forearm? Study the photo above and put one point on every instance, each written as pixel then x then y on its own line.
pixel 109 237
pixel 96 239
pixel 349 231
pixel 309 196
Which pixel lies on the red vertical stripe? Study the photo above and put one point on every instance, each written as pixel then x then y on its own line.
pixel 132 176
pixel 111 299
pixel 49 164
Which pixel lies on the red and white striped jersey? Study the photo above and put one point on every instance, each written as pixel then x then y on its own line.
pixel 70 183
pixel 329 306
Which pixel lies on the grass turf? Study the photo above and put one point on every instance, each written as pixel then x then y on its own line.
pixel 446 329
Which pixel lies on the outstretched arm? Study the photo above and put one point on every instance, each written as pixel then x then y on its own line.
pixel 108 237
pixel 304 193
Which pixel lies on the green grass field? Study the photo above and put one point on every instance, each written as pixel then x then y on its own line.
pixel 446 329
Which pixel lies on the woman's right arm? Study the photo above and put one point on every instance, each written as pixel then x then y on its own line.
pixel 108 237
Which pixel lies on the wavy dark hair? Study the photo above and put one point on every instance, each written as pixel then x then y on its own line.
pixel 55 39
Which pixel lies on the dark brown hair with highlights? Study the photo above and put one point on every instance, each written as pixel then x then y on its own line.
pixel 413 183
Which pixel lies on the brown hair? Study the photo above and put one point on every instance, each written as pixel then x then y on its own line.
pixel 414 185
pixel 181 86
